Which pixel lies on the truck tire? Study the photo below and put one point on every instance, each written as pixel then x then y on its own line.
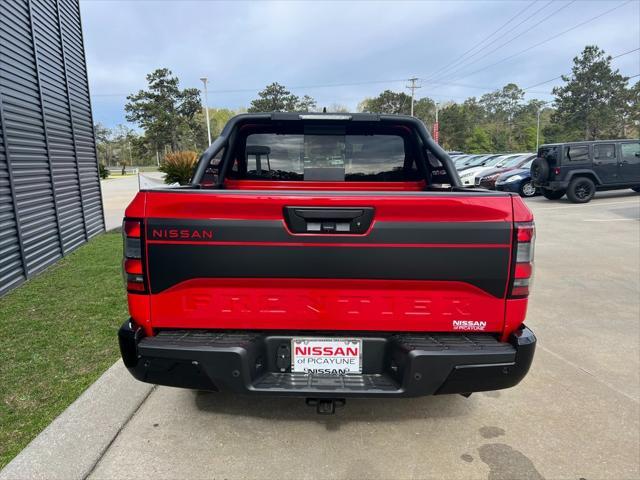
pixel 527 189
pixel 553 194
pixel 540 170
pixel 581 190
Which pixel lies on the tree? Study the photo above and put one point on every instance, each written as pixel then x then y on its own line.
pixel 143 151
pixel 632 129
pixel 594 102
pixel 457 122
pixel 425 110
pixel 399 103
pixel 219 118
pixel 115 144
pixel 388 102
pixel 479 142
pixel 103 138
pixel 524 125
pixel 165 112
pixel 276 98
pixel 503 104
pixel 502 107
pixel 306 104
pixel 338 108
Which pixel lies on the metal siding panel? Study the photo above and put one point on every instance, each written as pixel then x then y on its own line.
pixel 7 57
pixel 24 131
pixel 59 126
pixel 48 162
pixel 82 121
pixel 12 270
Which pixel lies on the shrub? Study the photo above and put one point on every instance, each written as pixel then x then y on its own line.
pixel 179 166
pixel 103 171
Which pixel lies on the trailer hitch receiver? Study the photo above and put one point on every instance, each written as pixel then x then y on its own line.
pixel 325 406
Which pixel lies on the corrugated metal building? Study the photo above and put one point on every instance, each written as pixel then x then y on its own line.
pixel 50 199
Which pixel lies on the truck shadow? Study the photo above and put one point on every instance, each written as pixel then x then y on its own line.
pixel 355 410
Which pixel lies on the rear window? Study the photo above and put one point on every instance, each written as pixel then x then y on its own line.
pixel 326 157
pixel 493 161
pixel 550 154
pixel 512 162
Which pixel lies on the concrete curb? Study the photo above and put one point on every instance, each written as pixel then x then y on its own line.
pixel 71 446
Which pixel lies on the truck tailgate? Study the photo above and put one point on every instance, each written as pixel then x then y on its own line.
pixel 417 261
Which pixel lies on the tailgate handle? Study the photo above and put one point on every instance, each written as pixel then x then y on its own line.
pixel 328 220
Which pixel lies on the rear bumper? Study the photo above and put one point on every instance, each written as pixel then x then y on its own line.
pixel 468 182
pixel 554 185
pixel 488 184
pixel 509 187
pixel 399 365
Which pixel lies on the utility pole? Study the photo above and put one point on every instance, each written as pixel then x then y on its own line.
pixel 206 108
pixel 413 88
pixel 436 127
pixel 538 125
pixel 538 131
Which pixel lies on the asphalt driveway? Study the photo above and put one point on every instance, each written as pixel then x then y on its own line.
pixel 117 193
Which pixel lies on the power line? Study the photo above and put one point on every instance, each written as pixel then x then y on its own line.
pixel 309 87
pixel 447 66
pixel 486 54
pixel 294 87
pixel 560 76
pixel 328 85
pixel 548 39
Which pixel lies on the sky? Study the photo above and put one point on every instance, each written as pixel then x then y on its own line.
pixel 340 52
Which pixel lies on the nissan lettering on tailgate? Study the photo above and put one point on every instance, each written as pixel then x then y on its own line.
pixel 327 256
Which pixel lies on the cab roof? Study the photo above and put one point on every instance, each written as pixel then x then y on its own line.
pixel 589 141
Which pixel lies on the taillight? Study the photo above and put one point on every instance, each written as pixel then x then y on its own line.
pixel 133 264
pixel 525 236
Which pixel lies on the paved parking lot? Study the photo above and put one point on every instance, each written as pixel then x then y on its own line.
pixel 117 193
pixel 576 415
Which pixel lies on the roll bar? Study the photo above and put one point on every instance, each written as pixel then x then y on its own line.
pixel 223 140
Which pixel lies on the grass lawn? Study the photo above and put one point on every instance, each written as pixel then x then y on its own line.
pixel 58 334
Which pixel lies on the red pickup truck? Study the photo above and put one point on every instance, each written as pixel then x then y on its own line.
pixel 327 256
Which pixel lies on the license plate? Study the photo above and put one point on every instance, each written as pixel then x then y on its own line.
pixel 326 356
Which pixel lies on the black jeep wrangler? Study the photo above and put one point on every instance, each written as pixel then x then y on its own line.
pixel 580 168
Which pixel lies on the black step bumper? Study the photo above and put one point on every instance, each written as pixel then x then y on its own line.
pixel 398 365
pixel 553 185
